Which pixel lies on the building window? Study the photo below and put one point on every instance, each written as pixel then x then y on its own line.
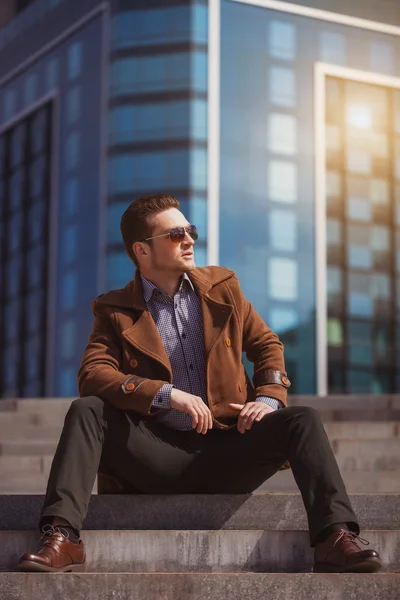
pixel 283 319
pixel 30 88
pixel 119 270
pixel 282 40
pixel 71 199
pixel 72 155
pixel 25 177
pixel 283 230
pixel 282 134
pixel 74 60
pixel 52 74
pixel 74 104
pixel 9 104
pixel 282 181
pixel 282 86
pixel 283 278
pixel 362 238
pixel 69 291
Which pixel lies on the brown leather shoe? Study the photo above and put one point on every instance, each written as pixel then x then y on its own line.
pixel 340 553
pixel 56 554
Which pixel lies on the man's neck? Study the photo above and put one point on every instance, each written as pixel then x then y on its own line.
pixel 167 282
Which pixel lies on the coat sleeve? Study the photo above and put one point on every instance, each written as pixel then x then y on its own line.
pixel 262 347
pixel 100 372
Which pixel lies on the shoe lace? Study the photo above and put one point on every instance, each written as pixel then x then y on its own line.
pixel 350 537
pixel 49 530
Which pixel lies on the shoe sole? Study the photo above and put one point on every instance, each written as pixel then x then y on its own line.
pixel 367 566
pixel 31 566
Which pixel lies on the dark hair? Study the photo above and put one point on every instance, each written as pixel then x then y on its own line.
pixel 135 224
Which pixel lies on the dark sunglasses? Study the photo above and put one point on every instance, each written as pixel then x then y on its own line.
pixel 177 234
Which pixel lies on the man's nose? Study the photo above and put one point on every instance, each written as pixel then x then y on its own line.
pixel 188 239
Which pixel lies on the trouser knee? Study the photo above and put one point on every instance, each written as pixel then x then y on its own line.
pixel 86 407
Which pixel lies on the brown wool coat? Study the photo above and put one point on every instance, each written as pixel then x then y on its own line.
pixel 125 361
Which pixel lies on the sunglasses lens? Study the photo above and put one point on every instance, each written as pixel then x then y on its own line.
pixel 192 231
pixel 177 234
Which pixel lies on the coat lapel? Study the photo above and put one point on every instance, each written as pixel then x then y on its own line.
pixel 215 314
pixel 144 336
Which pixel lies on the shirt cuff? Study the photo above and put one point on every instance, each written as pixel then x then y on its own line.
pixel 272 402
pixel 163 397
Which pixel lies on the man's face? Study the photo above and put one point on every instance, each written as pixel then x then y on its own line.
pixel 164 254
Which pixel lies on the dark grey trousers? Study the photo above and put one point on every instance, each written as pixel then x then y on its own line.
pixel 157 459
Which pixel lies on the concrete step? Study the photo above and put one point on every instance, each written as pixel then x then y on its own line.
pixel 29 432
pixel 350 407
pixel 199 586
pixel 39 405
pixel 197 551
pixel 268 511
pixel 367 455
pixel 357 482
pixel 362 430
pixel 28 448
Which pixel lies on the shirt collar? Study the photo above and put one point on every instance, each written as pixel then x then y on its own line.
pixel 149 287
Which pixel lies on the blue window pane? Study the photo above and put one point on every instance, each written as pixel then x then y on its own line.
pixel 200 23
pixel 12 363
pixel 18 139
pixel 283 279
pixel 52 70
pixel 33 350
pixel 69 291
pixel 282 319
pixel 282 86
pixel 12 320
pixel 122 124
pixel 30 88
pixel 360 257
pixel 282 40
pixel 38 132
pixel 360 305
pixel 14 267
pixel 198 119
pixel 198 169
pixel 35 305
pixel 71 202
pixel 70 243
pixel 283 230
pixel 198 215
pixel 9 104
pixel 75 60
pixel 16 185
pixel 199 64
pixel 37 176
pixel 150 73
pixel 74 104
pixel 37 216
pixel 15 239
pixel 120 173
pixel 119 270
pixel 36 260
pixel 72 150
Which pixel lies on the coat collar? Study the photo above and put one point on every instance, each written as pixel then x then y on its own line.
pixel 144 335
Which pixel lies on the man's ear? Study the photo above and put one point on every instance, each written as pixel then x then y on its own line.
pixel 139 249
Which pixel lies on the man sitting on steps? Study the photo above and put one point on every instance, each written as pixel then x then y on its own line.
pixel 166 405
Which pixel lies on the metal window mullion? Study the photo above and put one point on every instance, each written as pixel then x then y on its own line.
pixel 344 218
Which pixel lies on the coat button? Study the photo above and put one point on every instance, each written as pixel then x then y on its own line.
pixel 130 387
pixel 228 342
pixel 239 387
pixel 133 363
pixel 285 380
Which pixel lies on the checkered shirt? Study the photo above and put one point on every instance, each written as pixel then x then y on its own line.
pixel 180 324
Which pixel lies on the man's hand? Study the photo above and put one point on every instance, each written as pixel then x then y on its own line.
pixel 193 406
pixel 250 412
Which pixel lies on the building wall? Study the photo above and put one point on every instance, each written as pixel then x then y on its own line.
pixel 267 195
pixel 70 73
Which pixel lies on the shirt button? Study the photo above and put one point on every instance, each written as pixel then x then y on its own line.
pixel 191 367
pixel 176 306
pixel 184 335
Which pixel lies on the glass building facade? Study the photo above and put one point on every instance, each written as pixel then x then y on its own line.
pixel 103 102
pixel 267 194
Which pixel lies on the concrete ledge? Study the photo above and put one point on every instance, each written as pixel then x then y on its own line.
pixel 201 511
pixel 198 586
pixel 196 551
